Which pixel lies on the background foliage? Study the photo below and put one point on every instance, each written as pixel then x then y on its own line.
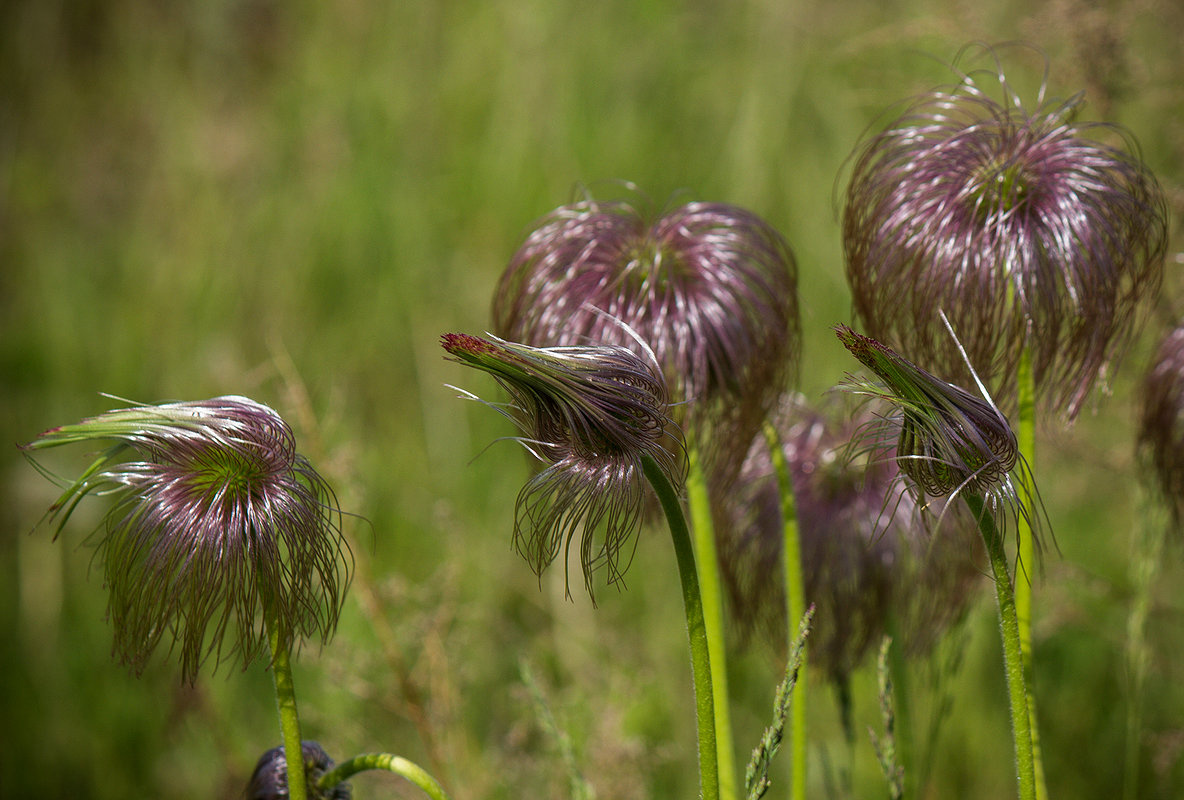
pixel 292 200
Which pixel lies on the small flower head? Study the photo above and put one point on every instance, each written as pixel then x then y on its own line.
pixel 216 524
pixel 710 288
pixel 590 415
pixel 950 441
pixel 1029 229
pixel 866 549
pixel 270 779
pixel 1161 423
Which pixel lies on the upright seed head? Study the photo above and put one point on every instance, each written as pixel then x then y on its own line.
pixel 710 288
pixel 218 529
pixel 1029 229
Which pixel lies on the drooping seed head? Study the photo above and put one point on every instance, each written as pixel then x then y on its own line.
pixel 217 524
pixel 949 439
pixel 868 548
pixel 1028 228
pixel 270 779
pixel 590 415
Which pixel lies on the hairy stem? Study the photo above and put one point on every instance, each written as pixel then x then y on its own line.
pixel 285 699
pixel 383 761
pixel 1013 661
pixel 795 606
pixel 696 629
pixel 702 526
pixel 1026 546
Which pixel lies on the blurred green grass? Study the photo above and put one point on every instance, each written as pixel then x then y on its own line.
pixel 293 200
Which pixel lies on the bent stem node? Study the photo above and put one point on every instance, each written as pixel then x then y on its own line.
pixel 384 761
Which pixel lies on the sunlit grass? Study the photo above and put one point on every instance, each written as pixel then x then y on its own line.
pixel 292 201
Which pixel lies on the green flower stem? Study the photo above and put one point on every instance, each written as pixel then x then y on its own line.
pixel 285 699
pixel 1143 570
pixel 699 504
pixel 1026 436
pixel 1013 661
pixel 696 628
pixel 795 603
pixel 383 761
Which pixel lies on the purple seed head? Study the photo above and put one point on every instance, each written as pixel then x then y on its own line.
pixel 1161 422
pixel 216 524
pixel 590 415
pixel 868 546
pixel 710 288
pixel 1028 228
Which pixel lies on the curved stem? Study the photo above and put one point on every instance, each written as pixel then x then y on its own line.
pixel 795 606
pixel 383 761
pixel 703 528
pixel 285 700
pixel 1013 661
pixel 696 630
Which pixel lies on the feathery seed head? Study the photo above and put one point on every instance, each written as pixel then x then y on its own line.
pixel 710 288
pixel 216 522
pixel 1029 229
pixel 866 545
pixel 948 440
pixel 590 414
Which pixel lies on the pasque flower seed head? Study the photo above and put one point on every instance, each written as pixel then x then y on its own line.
pixel 590 415
pixel 868 547
pixel 710 288
pixel 216 524
pixel 1030 230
